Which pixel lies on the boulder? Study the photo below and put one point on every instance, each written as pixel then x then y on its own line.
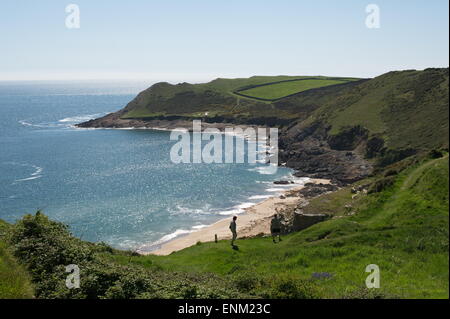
pixel 281 182
pixel 302 221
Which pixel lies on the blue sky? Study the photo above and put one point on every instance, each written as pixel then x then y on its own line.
pixel 197 40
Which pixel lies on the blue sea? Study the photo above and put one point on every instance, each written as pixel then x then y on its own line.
pixel 114 186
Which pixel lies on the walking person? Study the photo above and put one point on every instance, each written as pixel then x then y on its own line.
pixel 233 230
pixel 275 228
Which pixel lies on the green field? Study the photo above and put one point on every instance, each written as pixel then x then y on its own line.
pixel 279 90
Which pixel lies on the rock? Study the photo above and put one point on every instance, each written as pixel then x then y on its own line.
pixel 321 275
pixel 312 190
pixel 313 153
pixel 281 182
pixel 302 221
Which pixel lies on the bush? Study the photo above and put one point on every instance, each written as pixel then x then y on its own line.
pixel 392 156
pixel 365 293
pixel 381 184
pixel 246 282
pixel 288 287
pixel 46 247
pixel 433 154
pixel 390 172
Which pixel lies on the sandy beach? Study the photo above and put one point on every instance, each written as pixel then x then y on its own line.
pixel 253 222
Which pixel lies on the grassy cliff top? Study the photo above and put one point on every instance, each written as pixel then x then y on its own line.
pixel 223 96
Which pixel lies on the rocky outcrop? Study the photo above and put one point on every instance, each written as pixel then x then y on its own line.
pixel 283 182
pixel 302 221
pixel 348 139
pixel 308 151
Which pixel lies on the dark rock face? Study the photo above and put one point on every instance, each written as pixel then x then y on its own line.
pixel 282 182
pixel 375 146
pixel 307 150
pixel 303 221
pixel 348 139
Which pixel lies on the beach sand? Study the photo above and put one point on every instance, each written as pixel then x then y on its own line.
pixel 253 222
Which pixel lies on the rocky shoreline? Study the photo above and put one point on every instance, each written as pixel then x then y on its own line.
pixel 114 121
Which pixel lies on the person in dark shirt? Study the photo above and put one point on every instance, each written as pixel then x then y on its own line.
pixel 233 229
pixel 275 228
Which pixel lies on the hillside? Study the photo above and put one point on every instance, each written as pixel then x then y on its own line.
pixel 382 121
pixel 221 97
pixel 221 100
pixel 401 226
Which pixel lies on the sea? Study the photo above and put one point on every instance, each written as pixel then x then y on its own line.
pixel 117 186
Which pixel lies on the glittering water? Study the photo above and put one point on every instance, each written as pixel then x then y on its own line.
pixel 116 186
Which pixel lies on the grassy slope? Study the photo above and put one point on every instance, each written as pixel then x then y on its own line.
pixel 217 97
pixel 404 230
pixel 407 109
pixel 14 280
pixel 399 106
pixel 146 104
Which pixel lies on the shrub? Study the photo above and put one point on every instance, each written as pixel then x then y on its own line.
pixel 433 154
pixel 381 184
pixel 365 293
pixel 288 287
pixel 46 247
pixel 246 282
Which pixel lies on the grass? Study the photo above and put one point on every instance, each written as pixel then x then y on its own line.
pixel 399 106
pixel 279 90
pixel 223 97
pixel 14 280
pixel 403 229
